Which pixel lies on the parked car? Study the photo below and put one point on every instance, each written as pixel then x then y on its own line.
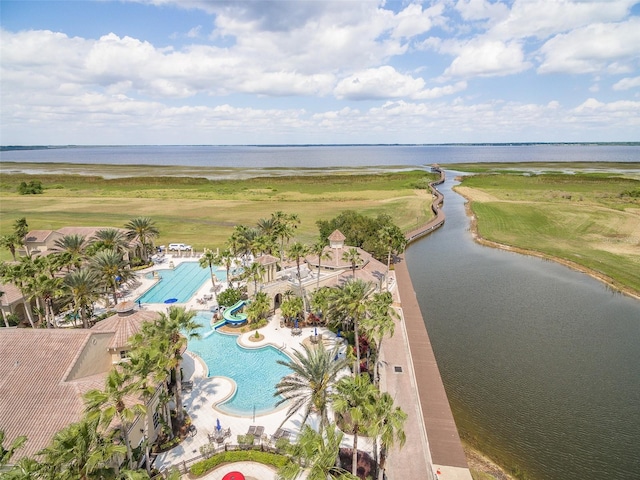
pixel 179 246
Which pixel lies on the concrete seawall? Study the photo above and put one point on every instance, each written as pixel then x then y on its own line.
pixel 445 450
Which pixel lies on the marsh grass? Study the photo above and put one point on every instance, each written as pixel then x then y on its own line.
pixel 586 219
pixel 203 212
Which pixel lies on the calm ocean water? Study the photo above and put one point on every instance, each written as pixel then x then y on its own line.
pixel 322 156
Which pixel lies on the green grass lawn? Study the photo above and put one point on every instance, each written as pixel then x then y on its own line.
pixel 203 212
pixel 592 219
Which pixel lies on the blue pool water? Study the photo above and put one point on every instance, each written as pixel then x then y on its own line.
pixel 255 371
pixel 181 283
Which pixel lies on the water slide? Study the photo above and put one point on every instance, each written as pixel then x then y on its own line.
pixel 231 316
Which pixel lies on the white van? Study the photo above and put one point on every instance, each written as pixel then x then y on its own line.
pixel 179 246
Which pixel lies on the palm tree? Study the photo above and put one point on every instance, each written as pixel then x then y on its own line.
pixel 9 242
pixel 292 307
pixel 145 230
pixel 168 334
pixel 297 251
pixel 110 268
pixel 318 249
pixel 7 453
pixel 395 242
pixel 110 239
pixel 71 250
pixel 285 227
pixel 320 300
pixel 348 302
pixel 45 289
pixel 21 228
pixel 318 452
pixel 226 258
pixel 81 451
pixel 210 259
pixel 18 274
pixel 379 323
pixel 307 388
pixel 259 307
pixel 81 284
pixel 105 405
pixel 255 272
pixel 354 398
pixel 386 426
pixel 353 257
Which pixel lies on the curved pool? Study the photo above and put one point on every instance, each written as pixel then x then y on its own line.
pixel 255 371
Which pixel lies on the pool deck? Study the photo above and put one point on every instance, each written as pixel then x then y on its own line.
pixel 408 349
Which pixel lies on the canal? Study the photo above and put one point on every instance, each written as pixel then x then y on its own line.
pixel 541 363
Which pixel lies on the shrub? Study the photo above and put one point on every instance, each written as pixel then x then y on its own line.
pixel 229 297
pixel 34 187
pixel 266 458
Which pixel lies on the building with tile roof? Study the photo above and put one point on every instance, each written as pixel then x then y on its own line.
pixel 44 374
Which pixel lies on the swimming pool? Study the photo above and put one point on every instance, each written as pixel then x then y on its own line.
pixel 181 283
pixel 255 371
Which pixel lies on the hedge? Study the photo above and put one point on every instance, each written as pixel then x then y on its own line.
pixel 267 458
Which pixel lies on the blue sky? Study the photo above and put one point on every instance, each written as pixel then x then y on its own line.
pixel 300 71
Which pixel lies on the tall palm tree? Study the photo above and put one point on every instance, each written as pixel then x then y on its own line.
pixel 170 333
pixel 226 258
pixel 46 289
pixel 110 268
pixel 21 228
pixel 353 257
pixel 379 323
pixel 285 228
pixel 307 388
pixel 71 249
pixel 318 249
pixel 297 251
pixel 354 398
pixel 386 426
pixel 82 285
pixel 105 405
pixel 145 230
pixel 210 259
pixel 315 455
pixel 348 302
pixel 255 272
pixel 394 241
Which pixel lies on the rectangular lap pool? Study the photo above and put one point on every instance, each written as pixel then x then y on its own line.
pixel 180 283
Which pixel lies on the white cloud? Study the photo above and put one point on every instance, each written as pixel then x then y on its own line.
pixel 376 83
pixel 484 57
pixel 627 83
pixel 482 10
pixel 593 49
pixel 544 18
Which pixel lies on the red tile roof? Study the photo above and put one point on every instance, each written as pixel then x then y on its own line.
pixel 34 398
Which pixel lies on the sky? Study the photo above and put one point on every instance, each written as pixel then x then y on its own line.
pixel 218 72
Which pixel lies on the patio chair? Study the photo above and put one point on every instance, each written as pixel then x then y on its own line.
pixel 280 433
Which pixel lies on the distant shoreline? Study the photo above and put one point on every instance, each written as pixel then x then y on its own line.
pixel 9 148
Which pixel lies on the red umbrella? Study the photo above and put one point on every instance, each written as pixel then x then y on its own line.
pixel 233 476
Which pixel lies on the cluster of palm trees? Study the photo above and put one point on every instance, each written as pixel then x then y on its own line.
pixel 98 445
pixel 313 387
pixel 79 271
